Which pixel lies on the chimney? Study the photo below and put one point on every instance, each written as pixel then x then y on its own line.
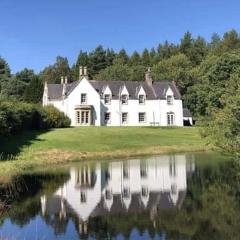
pixel 148 77
pixel 83 72
pixel 80 72
pixel 62 80
pixel 66 80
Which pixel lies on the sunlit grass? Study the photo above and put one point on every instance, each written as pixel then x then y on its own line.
pixel 36 149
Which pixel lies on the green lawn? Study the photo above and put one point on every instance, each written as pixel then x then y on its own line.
pixel 99 139
pixel 32 150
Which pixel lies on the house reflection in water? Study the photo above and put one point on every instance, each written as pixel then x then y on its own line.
pixel 123 186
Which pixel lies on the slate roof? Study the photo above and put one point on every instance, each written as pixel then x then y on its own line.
pixel 156 91
pixel 161 200
pixel 186 112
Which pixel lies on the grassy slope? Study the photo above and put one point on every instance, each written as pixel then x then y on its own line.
pixel 94 139
pixel 62 145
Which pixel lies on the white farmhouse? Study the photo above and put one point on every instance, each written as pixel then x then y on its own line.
pixel 116 103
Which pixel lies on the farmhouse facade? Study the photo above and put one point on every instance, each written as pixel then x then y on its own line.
pixel 116 103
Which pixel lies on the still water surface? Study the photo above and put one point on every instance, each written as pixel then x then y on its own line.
pixel 183 196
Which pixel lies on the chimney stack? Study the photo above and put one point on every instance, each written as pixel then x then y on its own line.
pixel 83 72
pixel 62 80
pixel 148 77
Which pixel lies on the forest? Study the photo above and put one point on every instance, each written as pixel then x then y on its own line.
pixel 206 72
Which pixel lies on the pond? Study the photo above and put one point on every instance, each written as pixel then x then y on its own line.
pixel 182 196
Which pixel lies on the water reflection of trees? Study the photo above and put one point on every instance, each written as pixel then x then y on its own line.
pixel 210 210
pixel 21 196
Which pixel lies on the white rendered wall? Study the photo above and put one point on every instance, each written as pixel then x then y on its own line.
pixel 156 110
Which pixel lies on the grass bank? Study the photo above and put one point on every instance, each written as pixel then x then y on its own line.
pixel 36 149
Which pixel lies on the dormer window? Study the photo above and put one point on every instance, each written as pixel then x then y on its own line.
pixel 83 98
pixel 124 99
pixel 108 195
pixel 107 99
pixel 141 99
pixel 169 100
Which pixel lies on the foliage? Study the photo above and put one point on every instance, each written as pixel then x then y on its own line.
pixel 55 118
pixel 201 70
pixel 53 73
pixel 17 116
pixel 175 68
pixel 224 129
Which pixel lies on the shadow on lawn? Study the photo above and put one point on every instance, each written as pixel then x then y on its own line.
pixel 11 146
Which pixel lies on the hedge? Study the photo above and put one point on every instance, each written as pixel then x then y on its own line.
pixel 18 116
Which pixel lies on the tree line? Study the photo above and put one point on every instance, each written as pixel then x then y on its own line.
pixel 206 72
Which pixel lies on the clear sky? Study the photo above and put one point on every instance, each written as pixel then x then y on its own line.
pixel 34 32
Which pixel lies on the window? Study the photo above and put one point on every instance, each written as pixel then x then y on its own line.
pixel 108 195
pixel 107 117
pixel 144 191
pixel 141 99
pixel 143 170
pixel 141 117
pixel 125 170
pixel 124 118
pixel 107 99
pixel 170 119
pixel 169 100
pixel 78 119
pixel 172 168
pixel 83 197
pixel 83 98
pixel 173 189
pixel 124 99
pixel 126 192
pixel 83 117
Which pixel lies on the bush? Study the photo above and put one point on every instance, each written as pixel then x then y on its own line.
pixel 55 118
pixel 18 116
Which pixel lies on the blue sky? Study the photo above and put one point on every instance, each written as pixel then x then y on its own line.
pixel 34 32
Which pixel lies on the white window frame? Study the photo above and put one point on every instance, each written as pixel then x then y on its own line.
pixel 170 119
pixel 143 100
pixel 83 102
pixel 144 119
pixel 107 120
pixel 169 100
pixel 107 99
pixel 122 120
pixel 124 99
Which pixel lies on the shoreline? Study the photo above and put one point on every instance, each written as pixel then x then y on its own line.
pixel 51 158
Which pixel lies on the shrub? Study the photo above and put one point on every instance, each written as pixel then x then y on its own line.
pixel 55 118
pixel 18 116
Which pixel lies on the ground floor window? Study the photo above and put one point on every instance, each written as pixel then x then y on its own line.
pixel 142 117
pixel 107 117
pixel 170 119
pixel 83 117
pixel 124 118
